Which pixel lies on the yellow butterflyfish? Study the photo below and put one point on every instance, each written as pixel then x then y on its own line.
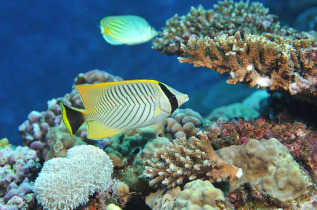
pixel 114 107
pixel 126 29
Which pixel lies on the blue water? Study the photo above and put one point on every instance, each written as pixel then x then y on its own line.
pixel 45 44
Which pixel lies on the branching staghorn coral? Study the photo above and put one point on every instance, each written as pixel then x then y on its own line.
pixel 187 160
pixel 269 61
pixel 227 17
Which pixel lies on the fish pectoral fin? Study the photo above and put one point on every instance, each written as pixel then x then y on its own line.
pixel 97 130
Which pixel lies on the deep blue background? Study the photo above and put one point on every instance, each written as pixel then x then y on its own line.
pixel 46 43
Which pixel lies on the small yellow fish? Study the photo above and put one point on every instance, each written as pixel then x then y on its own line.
pixel 114 107
pixel 126 29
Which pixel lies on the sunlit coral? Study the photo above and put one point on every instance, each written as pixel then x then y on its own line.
pixel 269 61
pixel 227 17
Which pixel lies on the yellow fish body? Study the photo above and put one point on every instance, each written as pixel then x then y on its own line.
pixel 114 107
pixel 126 29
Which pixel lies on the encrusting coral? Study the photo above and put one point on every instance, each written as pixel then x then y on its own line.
pixel 248 109
pixel 233 111
pixel 66 183
pixel 196 194
pixel 60 141
pixel 272 61
pixel 268 167
pixel 188 159
pixel 35 130
pixel 19 167
pixel 300 141
pixel 136 144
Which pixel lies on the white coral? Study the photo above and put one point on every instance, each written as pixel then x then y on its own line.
pixel 66 183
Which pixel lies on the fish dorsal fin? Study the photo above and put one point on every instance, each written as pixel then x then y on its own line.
pixel 97 130
pixel 90 94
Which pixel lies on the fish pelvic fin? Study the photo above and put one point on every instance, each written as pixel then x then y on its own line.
pixel 73 118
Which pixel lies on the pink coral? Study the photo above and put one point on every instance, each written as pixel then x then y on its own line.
pixel 19 166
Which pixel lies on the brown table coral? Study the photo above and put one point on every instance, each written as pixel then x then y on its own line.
pixel 271 61
pixel 227 17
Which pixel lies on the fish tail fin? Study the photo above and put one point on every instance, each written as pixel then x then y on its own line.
pixel 73 118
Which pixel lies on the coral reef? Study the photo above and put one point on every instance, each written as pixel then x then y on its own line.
pixel 19 197
pixel 35 130
pixel 226 18
pixel 4 143
pixel 206 99
pixel 19 167
pixel 287 108
pixel 248 109
pixel 183 123
pixel 268 167
pixel 196 194
pixel 112 206
pixel 187 160
pixel 60 141
pixel 135 143
pixel 246 197
pixel 300 141
pixel 120 192
pixel 95 76
pixel 16 166
pixel 268 61
pixel 68 182
pixel 233 111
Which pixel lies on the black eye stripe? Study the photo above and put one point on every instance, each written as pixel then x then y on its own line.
pixel 171 97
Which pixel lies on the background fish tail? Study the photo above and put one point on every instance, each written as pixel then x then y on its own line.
pixel 73 118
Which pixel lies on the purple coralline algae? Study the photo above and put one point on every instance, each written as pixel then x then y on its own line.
pixel 19 167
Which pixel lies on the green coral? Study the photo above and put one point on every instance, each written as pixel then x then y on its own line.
pixel 4 143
